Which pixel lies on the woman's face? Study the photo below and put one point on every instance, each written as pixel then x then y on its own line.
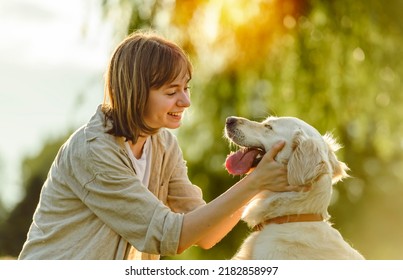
pixel 166 105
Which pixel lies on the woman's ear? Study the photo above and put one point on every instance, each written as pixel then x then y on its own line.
pixel 308 160
pixel 339 169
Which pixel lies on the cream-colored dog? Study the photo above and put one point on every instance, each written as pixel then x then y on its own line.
pixel 290 225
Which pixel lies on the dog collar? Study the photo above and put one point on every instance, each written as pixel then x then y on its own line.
pixel 289 219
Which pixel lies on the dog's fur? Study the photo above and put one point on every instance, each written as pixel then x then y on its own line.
pixel 311 160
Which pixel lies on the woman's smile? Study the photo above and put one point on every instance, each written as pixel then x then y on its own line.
pixel 176 115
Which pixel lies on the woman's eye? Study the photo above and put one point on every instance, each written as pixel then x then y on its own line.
pixel 186 89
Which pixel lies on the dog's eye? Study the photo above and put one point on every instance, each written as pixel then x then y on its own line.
pixel 268 126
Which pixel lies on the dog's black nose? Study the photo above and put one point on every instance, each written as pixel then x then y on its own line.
pixel 230 120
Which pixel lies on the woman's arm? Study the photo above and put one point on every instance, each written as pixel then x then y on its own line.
pixel 220 230
pixel 207 225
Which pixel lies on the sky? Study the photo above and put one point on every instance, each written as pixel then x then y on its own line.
pixel 53 55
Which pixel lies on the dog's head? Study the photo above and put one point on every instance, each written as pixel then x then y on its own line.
pixel 309 156
pixel 307 153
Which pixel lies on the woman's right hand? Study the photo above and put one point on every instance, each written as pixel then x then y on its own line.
pixel 272 175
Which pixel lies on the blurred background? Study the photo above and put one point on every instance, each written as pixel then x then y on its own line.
pixel 335 64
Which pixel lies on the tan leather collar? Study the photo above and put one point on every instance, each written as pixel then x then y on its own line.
pixel 289 219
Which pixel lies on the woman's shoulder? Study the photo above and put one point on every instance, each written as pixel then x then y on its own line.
pixel 97 126
pixel 93 137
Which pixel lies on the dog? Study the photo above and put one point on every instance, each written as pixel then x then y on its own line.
pixel 289 225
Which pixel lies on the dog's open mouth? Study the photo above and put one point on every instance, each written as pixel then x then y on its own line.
pixel 241 161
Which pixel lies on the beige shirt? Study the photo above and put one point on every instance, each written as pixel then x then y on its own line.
pixel 92 205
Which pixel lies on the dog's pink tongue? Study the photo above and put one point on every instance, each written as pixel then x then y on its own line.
pixel 240 162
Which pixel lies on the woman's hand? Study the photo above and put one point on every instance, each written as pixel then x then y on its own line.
pixel 271 175
pixel 207 225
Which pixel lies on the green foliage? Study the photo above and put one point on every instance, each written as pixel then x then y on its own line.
pixel 14 229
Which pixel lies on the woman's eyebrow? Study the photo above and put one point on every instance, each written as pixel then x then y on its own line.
pixel 177 85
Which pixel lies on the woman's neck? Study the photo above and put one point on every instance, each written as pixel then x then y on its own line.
pixel 137 148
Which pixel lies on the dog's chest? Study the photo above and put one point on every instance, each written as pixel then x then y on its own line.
pixel 313 240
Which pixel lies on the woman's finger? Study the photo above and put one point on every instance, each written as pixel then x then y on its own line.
pixel 272 153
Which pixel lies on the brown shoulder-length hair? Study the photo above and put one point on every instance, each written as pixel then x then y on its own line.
pixel 141 62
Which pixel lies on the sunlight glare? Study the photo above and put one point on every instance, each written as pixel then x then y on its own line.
pixel 210 21
pixel 241 11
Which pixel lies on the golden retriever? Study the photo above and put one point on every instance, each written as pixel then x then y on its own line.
pixel 289 225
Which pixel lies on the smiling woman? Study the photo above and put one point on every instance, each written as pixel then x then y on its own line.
pixel 118 187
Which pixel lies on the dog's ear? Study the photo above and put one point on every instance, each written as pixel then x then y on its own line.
pixel 339 169
pixel 308 160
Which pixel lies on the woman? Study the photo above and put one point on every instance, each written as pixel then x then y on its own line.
pixel 118 188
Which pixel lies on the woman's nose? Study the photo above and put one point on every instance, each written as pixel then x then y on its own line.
pixel 184 99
